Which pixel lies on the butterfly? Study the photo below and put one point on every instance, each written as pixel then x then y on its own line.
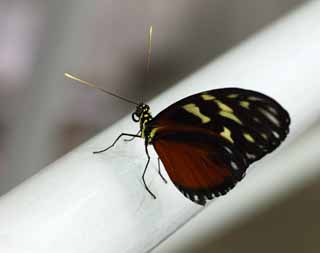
pixel 207 141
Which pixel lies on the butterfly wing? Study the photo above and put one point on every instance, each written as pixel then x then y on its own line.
pixel 200 164
pixel 224 129
pixel 252 122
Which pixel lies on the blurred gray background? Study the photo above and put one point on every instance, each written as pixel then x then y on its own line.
pixel 43 115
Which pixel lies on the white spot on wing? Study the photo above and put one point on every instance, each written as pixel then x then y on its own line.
pixel 275 134
pixel 228 150
pixel 250 156
pixel 253 98
pixel 270 117
pixel 256 119
pixel 234 165
pixel 271 109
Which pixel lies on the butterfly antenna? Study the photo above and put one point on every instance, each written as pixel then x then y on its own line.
pixel 149 48
pixel 98 88
pixel 149 54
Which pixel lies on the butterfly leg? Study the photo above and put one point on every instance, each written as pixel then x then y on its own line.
pixel 144 172
pixel 131 138
pixel 159 171
pixel 123 134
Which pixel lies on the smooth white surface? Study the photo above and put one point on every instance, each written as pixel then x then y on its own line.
pixel 97 203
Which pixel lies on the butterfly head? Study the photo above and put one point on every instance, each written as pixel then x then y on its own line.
pixel 141 113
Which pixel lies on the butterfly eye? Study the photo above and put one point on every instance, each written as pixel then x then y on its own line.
pixel 135 117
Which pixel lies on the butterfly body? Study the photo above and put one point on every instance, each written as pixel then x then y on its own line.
pixel 207 141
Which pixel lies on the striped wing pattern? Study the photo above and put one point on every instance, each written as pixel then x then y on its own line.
pixel 207 141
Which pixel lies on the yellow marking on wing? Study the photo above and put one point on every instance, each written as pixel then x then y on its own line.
pixel 223 106
pixel 233 95
pixel 153 132
pixel 193 109
pixel 253 98
pixel 227 111
pixel 248 137
pixel 264 136
pixel 231 116
pixel 207 97
pixel 226 133
pixel 245 104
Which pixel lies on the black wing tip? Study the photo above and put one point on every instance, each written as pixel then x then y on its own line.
pixel 202 196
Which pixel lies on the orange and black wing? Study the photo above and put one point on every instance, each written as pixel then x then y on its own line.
pixel 199 164
pixel 206 141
